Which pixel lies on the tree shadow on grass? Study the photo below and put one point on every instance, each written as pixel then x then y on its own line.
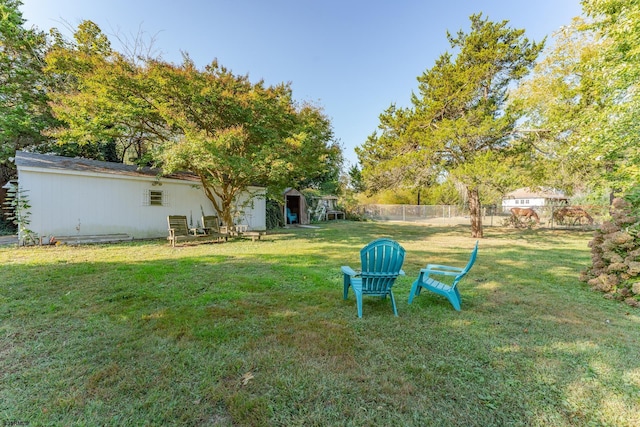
pixel 176 337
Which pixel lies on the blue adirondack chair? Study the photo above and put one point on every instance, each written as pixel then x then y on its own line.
pixel 292 217
pixel 450 291
pixel 381 262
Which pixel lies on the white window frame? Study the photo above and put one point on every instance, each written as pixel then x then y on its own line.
pixel 155 198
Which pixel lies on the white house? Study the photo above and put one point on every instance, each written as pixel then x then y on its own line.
pixel 527 198
pixel 74 197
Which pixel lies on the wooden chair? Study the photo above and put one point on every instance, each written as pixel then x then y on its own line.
pixel 211 227
pixel 381 262
pixel 179 229
pixel 450 291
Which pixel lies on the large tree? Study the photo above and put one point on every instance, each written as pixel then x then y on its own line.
pixel 100 97
pixel 458 125
pixel 24 111
pixel 614 124
pixel 586 98
pixel 552 103
pixel 234 133
pixel 229 131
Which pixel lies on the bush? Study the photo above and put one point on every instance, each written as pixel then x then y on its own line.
pixel 7 227
pixel 615 253
pixel 517 222
pixel 275 217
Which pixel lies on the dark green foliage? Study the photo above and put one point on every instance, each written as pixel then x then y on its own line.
pixel 24 109
pixel 633 197
pixel 459 124
pixel 356 182
pixel 275 217
pixel 518 222
pixel 7 226
pixel 104 151
pixel 16 209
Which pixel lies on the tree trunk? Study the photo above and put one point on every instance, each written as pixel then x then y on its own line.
pixel 226 214
pixel 223 206
pixel 475 212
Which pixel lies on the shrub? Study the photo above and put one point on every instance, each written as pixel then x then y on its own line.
pixel 615 252
pixel 275 217
pixel 517 222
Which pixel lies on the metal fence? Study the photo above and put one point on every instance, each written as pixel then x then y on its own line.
pixel 411 212
pixel 556 217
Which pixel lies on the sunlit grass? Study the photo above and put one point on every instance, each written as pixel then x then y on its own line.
pixel 257 333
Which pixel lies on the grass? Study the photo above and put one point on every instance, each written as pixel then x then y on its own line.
pixel 257 333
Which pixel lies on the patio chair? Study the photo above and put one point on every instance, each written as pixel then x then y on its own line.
pixel 211 226
pixel 381 262
pixel 291 217
pixel 450 291
pixel 179 229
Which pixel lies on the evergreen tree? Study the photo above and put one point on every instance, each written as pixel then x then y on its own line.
pixel 459 125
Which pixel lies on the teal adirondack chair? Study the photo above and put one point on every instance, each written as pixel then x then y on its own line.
pixel 450 291
pixel 292 217
pixel 381 264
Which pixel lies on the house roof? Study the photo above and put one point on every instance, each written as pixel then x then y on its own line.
pixel 48 161
pixel 543 193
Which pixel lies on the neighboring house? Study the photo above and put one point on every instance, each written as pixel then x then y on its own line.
pixel 74 197
pixel 527 198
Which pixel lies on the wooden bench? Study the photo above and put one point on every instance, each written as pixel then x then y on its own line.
pixel 255 235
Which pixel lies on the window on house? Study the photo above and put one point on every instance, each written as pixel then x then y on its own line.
pixel 155 198
pixel 517 202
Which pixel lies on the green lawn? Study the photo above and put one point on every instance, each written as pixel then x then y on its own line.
pixel 257 333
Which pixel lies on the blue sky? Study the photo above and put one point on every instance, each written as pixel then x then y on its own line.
pixel 351 57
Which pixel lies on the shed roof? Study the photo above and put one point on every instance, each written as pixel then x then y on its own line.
pixel 290 191
pixel 48 161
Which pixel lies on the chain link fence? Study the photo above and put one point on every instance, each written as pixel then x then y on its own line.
pixel 413 213
pixel 555 217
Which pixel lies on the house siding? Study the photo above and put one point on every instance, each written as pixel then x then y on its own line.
pixel 67 203
pixel 525 198
pixel 528 202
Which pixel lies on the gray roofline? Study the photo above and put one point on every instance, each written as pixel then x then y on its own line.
pixel 77 164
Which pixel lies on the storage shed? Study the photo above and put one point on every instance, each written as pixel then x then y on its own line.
pixel 74 196
pixel 297 205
